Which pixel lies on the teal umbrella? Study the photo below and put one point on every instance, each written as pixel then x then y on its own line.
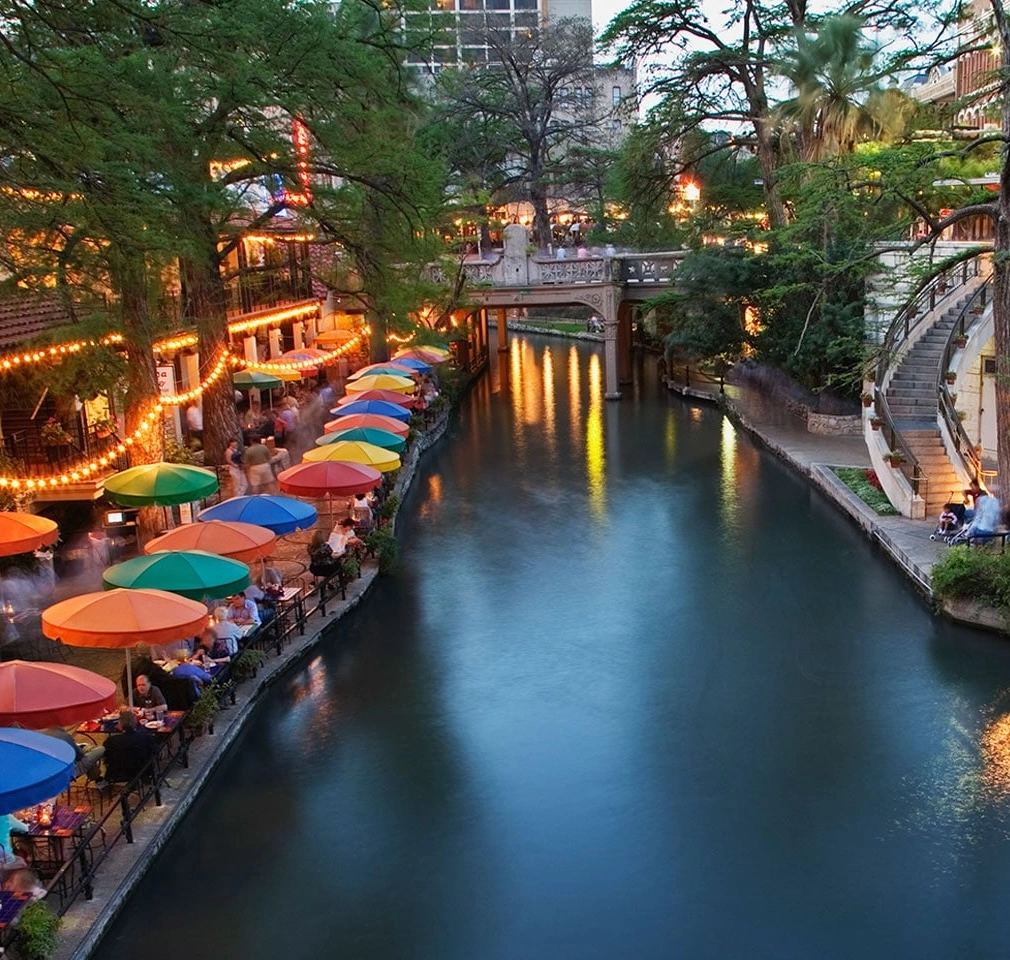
pixel 255 380
pixel 373 435
pixel 189 573
pixel 160 485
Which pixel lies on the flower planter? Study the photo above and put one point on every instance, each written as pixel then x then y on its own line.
pixel 103 433
pixel 875 424
pixel 867 400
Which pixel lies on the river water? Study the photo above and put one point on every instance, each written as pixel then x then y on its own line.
pixel 636 692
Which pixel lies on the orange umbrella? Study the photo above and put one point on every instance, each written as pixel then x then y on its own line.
pixel 401 398
pixel 334 337
pixel 123 618
pixel 368 420
pixel 238 541
pixel 25 532
pixel 422 353
pixel 37 695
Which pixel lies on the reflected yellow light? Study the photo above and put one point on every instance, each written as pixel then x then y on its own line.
pixel 996 756
pixel 574 396
pixel 730 501
pixel 435 488
pixel 549 413
pixel 696 414
pixel 670 438
pixel 531 385
pixel 595 456
pixel 518 399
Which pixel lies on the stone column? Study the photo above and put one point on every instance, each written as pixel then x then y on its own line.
pixel 624 343
pixel 503 330
pixel 610 357
pixel 274 339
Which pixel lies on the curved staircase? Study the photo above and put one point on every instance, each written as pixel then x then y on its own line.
pixel 912 398
pixel 920 451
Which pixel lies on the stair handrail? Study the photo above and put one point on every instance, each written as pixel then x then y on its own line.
pixel 963 444
pixel 916 308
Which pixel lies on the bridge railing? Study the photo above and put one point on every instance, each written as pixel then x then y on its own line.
pixel 536 270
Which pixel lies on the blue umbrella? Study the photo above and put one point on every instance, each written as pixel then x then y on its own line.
pixel 381 407
pixel 279 514
pixel 34 767
pixel 419 365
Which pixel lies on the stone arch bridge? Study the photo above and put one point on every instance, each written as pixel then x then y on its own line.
pixel 610 285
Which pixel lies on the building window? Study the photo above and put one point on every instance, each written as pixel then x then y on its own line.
pixel 563 95
pixel 615 124
pixel 617 96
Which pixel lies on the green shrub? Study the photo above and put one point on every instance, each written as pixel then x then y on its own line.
pixel 383 545
pixel 36 931
pixel 350 567
pixel 389 507
pixel 978 573
pixel 202 713
pixel 247 663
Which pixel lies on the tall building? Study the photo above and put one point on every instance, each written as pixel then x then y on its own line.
pixel 459 28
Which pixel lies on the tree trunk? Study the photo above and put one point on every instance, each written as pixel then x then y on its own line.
pixel 205 304
pixel 542 236
pixel 130 275
pixel 768 160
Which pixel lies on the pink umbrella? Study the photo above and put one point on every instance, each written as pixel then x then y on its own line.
pixel 38 695
pixel 329 478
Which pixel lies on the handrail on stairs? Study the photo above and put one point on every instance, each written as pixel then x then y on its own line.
pixel 910 315
pixel 965 447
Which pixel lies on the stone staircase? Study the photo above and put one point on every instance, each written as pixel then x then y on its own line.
pixel 912 399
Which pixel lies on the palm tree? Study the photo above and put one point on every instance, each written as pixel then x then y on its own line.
pixel 838 99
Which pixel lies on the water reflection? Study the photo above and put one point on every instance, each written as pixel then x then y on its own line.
pixel 729 499
pixel 670 439
pixel 595 456
pixel 550 414
pixel 574 397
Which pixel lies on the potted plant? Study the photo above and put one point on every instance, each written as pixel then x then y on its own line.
pixel 978 309
pixel 867 399
pixel 53 434
pixel 876 422
pixel 960 341
pixel 105 427
pixel 36 931
pixel 894 457
pixel 950 376
pixel 962 415
pixel 350 568
pixel 201 714
pixel 247 663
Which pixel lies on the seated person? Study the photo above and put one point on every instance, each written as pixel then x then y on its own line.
pixel 127 753
pixel 243 611
pixel 988 517
pixel 146 695
pixel 361 510
pixel 226 633
pixel 9 824
pixel 85 760
pixel 342 539
pixel 194 673
pixel 322 562
pixel 272 582
pixel 205 654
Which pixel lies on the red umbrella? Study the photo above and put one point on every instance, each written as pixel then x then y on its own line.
pixel 38 695
pixel 329 478
pixel 23 532
pixel 403 399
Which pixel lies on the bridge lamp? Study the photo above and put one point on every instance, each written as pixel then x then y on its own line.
pixel 692 192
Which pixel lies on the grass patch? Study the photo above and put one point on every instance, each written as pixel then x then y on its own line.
pixel 862 483
pixel 563 326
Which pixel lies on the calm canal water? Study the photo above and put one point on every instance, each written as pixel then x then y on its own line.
pixel 637 692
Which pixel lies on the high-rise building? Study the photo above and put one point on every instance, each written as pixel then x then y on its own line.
pixel 458 29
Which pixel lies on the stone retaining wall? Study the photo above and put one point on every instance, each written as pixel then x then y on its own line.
pixel 832 425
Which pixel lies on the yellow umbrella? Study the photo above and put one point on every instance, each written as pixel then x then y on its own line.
pixel 382 381
pixel 356 451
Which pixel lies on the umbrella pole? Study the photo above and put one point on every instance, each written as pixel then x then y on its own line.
pixel 129 678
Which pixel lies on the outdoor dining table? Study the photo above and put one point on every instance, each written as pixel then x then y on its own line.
pixel 291 601
pixel 170 725
pixel 48 841
pixel 11 904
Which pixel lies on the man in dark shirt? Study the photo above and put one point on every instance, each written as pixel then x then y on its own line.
pixel 147 695
pixel 127 753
